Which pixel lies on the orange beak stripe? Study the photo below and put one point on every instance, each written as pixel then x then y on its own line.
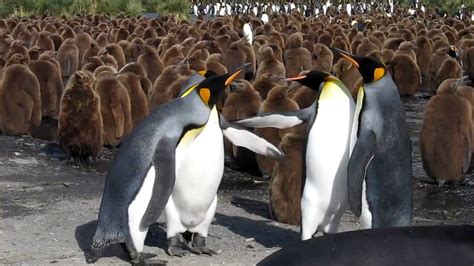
pixel 296 78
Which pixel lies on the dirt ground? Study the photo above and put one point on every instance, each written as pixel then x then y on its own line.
pixel 49 209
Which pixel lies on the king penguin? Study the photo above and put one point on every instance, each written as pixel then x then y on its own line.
pixel 329 122
pixel 379 171
pixel 150 165
pixel 192 204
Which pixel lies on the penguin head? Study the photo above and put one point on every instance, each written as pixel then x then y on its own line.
pixel 313 79
pixel 371 69
pixel 212 89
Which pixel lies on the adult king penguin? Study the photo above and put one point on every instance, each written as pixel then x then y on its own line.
pixel 329 121
pixel 153 160
pixel 379 171
pixel 192 204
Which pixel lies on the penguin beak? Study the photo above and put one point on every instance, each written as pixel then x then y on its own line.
pixel 296 78
pixel 346 55
pixel 236 74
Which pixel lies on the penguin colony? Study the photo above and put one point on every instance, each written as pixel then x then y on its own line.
pixel 316 79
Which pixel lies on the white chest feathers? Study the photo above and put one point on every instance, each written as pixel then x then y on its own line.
pixel 328 146
pixel 199 167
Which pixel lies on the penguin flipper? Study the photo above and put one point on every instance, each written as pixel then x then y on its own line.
pixel 165 176
pixel 278 120
pixel 361 157
pixel 244 138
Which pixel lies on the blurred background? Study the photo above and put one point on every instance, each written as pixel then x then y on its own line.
pixel 180 8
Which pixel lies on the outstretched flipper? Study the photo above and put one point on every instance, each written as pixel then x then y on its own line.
pixel 244 138
pixel 362 156
pixel 279 120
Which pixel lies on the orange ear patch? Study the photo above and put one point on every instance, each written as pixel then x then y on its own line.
pixel 205 94
pixel 378 73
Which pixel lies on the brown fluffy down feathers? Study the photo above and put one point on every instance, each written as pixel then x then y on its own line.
pixel 445 138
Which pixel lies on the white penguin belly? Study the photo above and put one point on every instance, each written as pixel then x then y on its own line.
pixel 327 156
pixel 199 169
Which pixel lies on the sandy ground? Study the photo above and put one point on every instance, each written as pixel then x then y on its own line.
pixel 49 209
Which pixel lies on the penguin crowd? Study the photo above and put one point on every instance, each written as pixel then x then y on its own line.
pixel 306 96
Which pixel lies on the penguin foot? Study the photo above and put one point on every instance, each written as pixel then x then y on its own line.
pixel 176 246
pixel 199 246
pixel 92 256
pixel 146 259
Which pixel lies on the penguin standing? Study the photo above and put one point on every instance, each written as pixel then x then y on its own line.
pixel 329 122
pixel 153 167
pixel 379 171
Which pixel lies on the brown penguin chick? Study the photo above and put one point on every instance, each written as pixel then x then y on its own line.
pixel 285 186
pixel 80 125
pixel 159 93
pixel 67 33
pixel 93 50
pixel 321 59
pixel 173 90
pixel 34 52
pixel 405 74
pixel 392 43
pixel 173 55
pixel 126 47
pixel 450 68
pixel 102 39
pixel 439 56
pixel 243 102
pixel 138 98
pixel 276 101
pixel 121 34
pixel 467 93
pixel 349 75
pixel 445 137
pixel 234 57
pixel 20 99
pixel 264 83
pixel 44 42
pixel 57 40
pixel 68 58
pixel 109 61
pixel 133 67
pixel 51 86
pixel 423 59
pixel 269 64
pixel 116 51
pixel 366 47
pixel 92 63
pixel 386 56
pixel 216 67
pixel 18 48
pixel 469 63
pixel 104 69
pixel 407 48
pixel 115 109
pixel 83 42
pixel 302 95
pixel 151 62
pixel 296 57
pixel 250 58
